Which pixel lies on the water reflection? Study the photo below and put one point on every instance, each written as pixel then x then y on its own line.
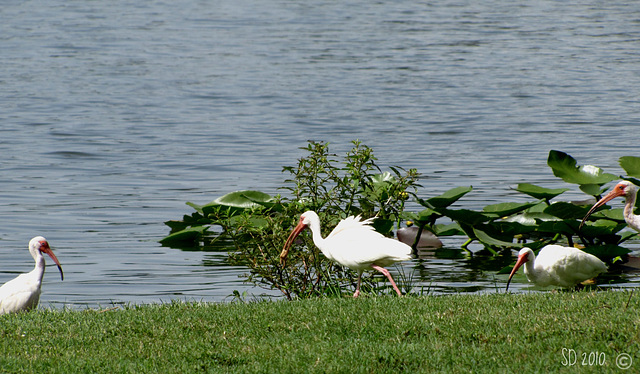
pixel 450 269
pixel 111 123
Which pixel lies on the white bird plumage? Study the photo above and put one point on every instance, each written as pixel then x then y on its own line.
pixel 629 191
pixel 558 266
pixel 23 292
pixel 353 243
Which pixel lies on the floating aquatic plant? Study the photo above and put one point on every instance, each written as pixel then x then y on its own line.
pixel 253 225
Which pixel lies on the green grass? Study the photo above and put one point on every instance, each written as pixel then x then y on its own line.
pixel 489 333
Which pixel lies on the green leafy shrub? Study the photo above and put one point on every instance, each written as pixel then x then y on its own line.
pixel 253 225
pixel 257 225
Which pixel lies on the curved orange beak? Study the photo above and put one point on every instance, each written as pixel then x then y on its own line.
pixel 610 196
pixel 521 260
pixel 296 231
pixel 44 248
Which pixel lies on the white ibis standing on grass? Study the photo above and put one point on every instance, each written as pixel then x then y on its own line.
pixel 353 243
pixel 559 266
pixel 629 191
pixel 23 292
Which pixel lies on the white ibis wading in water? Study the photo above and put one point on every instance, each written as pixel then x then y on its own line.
pixel 559 266
pixel 629 191
pixel 353 243
pixel 23 292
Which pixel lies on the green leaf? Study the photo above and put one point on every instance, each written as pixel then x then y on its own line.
pixel 493 242
pixel 214 209
pixel 257 221
pixel 631 165
pixel 383 178
pixel 612 214
pixel 505 270
pixel 197 207
pixel 195 219
pixel 243 199
pixel 602 228
pixel 511 229
pixel 380 186
pixel 626 235
pixel 427 216
pixel 538 192
pixel 506 209
pixel 531 218
pixel 191 235
pixel 634 181
pixel 592 189
pixel 539 208
pixel 606 251
pixel 466 216
pixel 446 198
pixel 383 226
pixel 564 166
pixel 566 210
pixel 447 230
pixel 176 225
pixel 564 227
pixel 238 201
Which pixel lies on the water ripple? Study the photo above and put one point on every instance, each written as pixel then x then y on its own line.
pixel 113 116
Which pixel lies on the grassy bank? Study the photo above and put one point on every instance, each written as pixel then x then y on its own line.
pixel 491 333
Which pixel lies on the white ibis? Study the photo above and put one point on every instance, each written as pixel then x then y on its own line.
pixel 23 292
pixel 559 266
pixel 353 243
pixel 629 191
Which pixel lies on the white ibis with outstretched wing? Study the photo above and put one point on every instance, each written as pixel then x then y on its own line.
pixel 353 243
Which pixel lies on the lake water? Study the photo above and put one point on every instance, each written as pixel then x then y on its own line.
pixel 114 114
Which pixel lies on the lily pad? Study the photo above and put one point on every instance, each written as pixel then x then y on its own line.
pixel 565 167
pixel 612 214
pixel 189 235
pixel 511 228
pixel 538 192
pixel 243 199
pixel 506 209
pixel 195 219
pixel 195 206
pixel 466 216
pixel 607 250
pixel 447 230
pixel 493 242
pixel 446 198
pixel 238 201
pixel 565 227
pixel 626 235
pixel 566 210
pixel 592 189
pixel 602 228
pixel 427 216
pixel 382 225
pixel 631 165
pixel 531 218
